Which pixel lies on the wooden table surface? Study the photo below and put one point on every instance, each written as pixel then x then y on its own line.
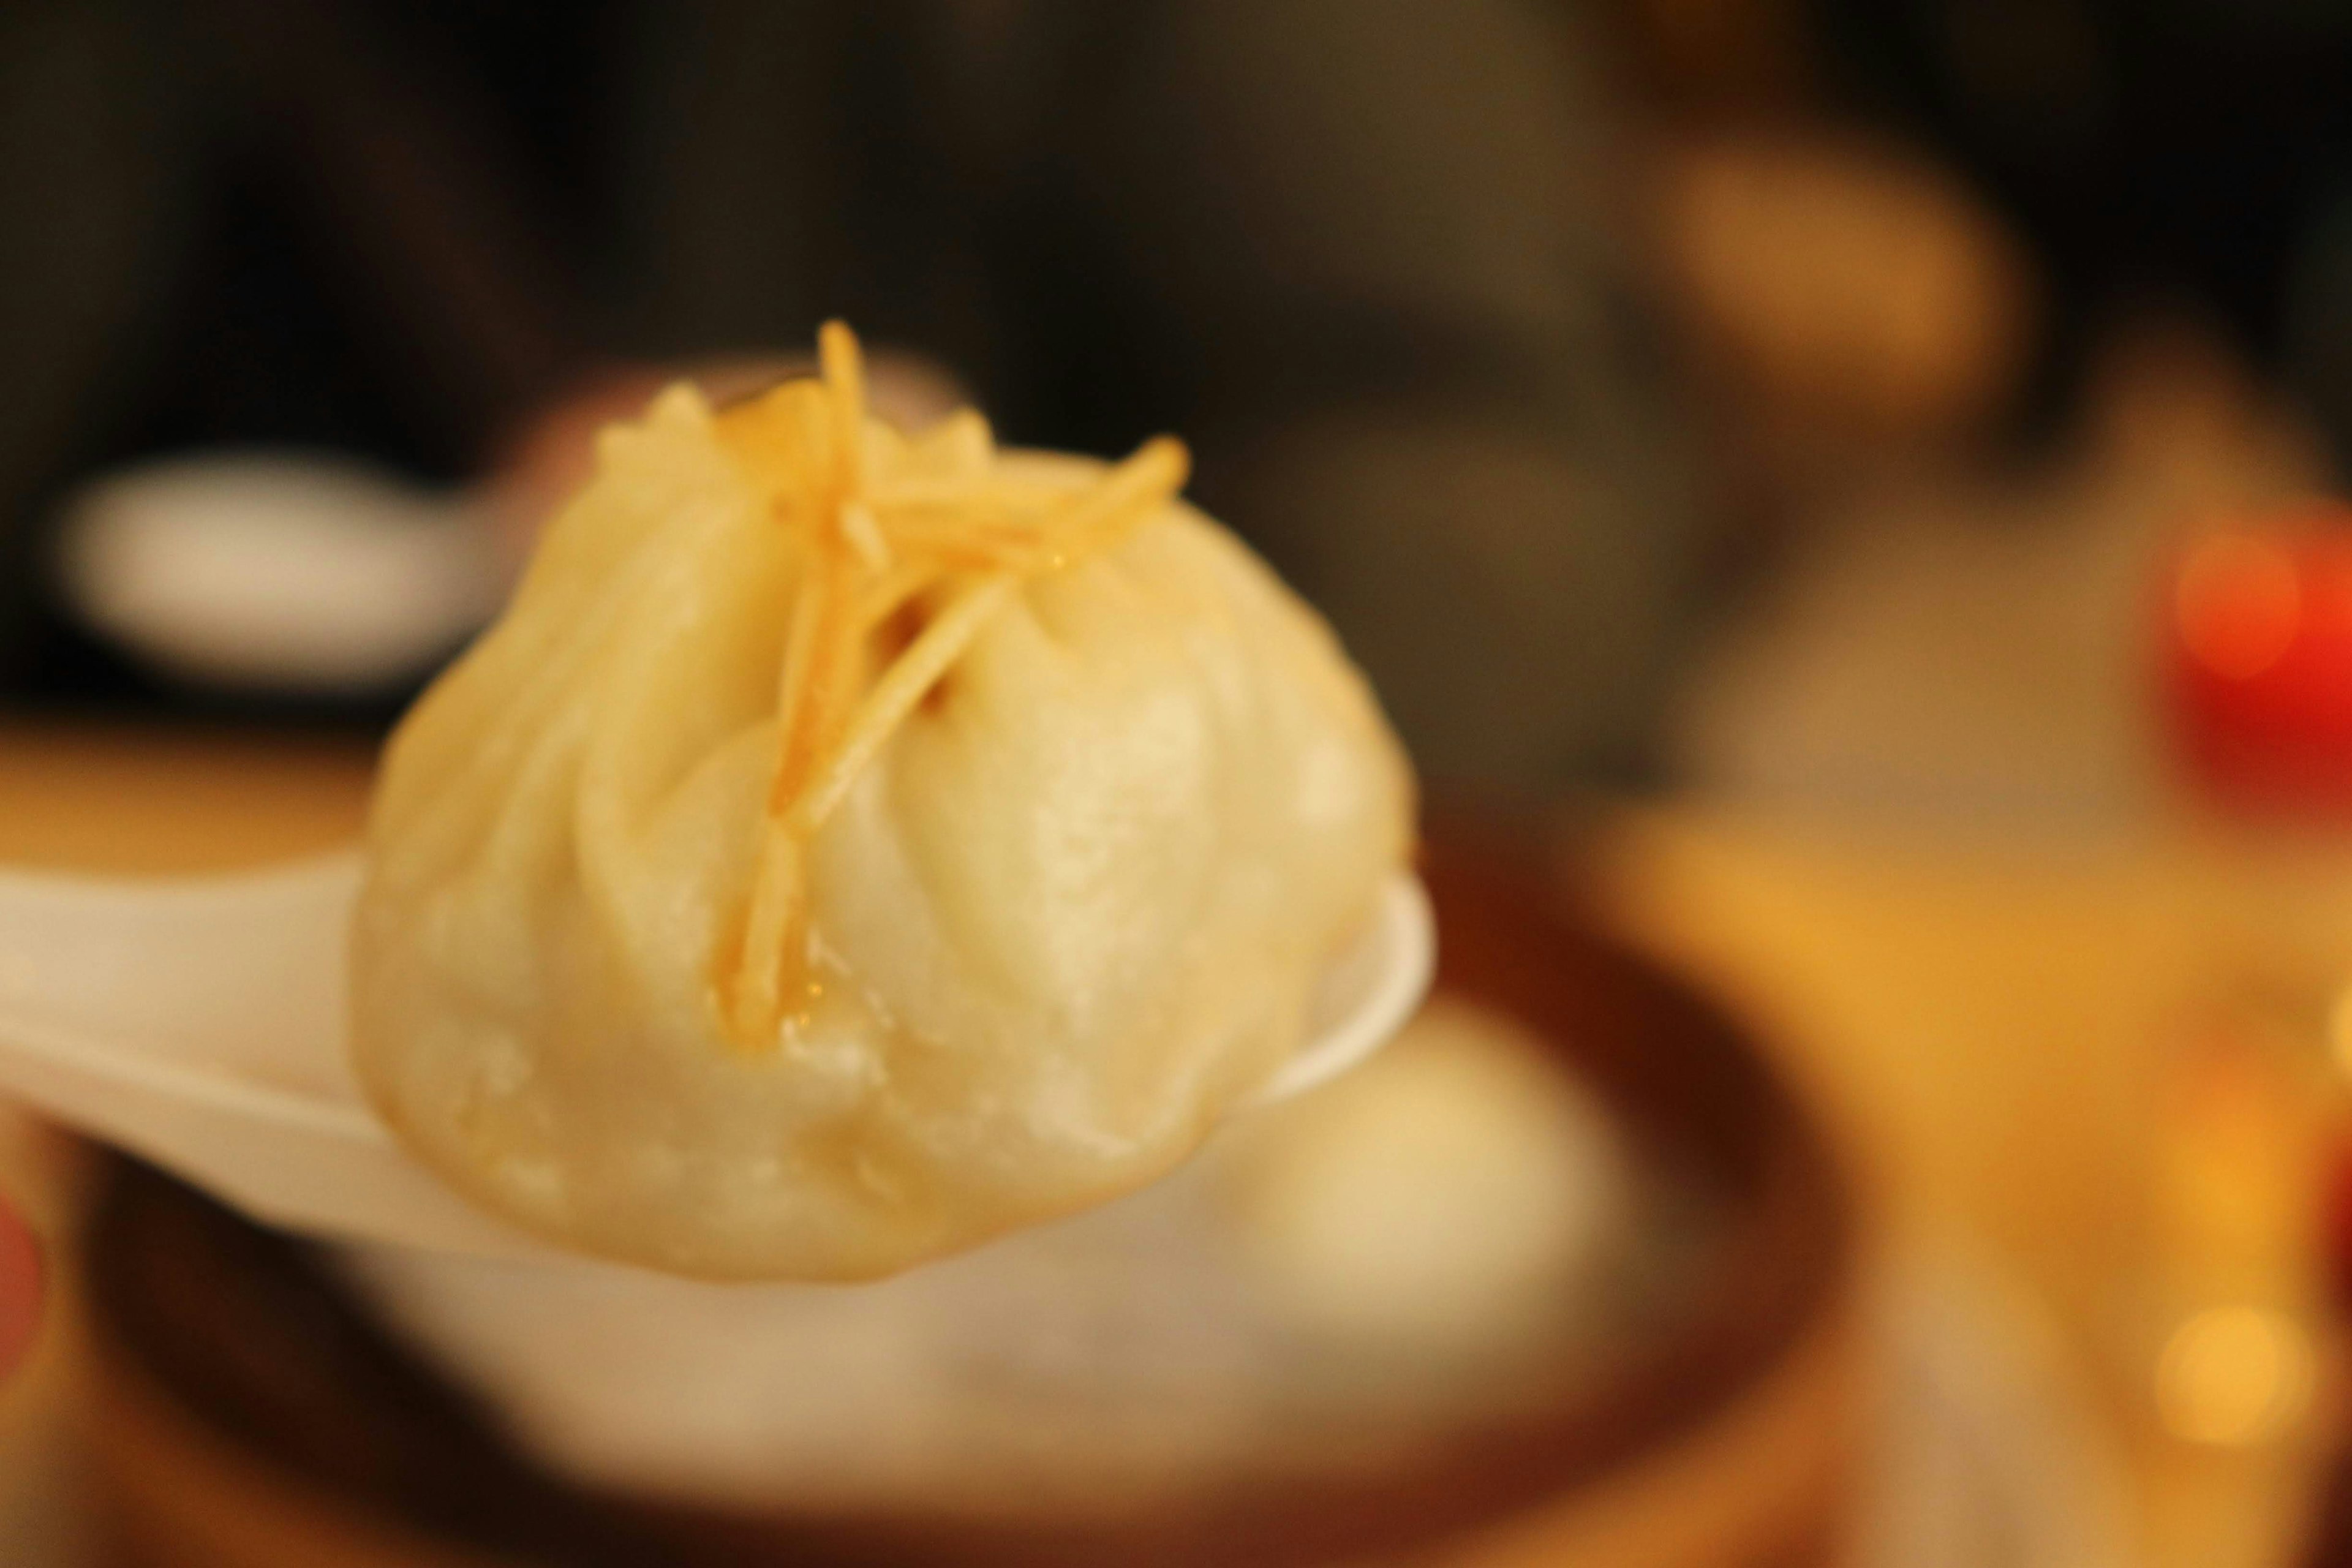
pixel 2015 1042
pixel 117 798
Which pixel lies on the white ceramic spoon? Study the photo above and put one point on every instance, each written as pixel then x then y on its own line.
pixel 199 1023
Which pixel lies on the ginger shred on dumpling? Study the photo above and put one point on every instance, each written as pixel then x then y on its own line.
pixel 806 445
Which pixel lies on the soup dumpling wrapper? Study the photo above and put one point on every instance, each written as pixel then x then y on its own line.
pixel 1069 912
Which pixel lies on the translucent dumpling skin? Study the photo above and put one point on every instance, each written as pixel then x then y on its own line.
pixel 687 945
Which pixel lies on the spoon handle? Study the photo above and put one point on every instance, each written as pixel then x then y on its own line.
pixel 199 1023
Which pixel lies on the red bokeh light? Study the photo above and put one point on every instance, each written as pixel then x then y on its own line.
pixel 2258 660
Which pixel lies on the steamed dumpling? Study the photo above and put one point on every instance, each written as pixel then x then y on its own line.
pixel 850 846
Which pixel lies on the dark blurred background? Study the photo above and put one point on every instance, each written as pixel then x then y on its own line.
pixel 1495 324
pixel 1505 328
pixel 1511 330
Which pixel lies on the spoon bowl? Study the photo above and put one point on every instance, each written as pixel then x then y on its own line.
pixel 199 1023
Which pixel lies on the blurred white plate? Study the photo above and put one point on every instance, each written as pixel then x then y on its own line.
pixel 286 573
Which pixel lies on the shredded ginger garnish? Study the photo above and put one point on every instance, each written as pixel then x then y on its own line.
pixel 885 524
